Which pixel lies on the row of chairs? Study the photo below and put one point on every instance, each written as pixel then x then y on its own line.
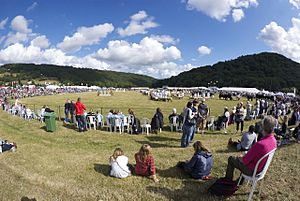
pixel 117 123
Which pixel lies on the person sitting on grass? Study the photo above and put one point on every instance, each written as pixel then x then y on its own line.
pixel 199 167
pixel 248 139
pixel 145 163
pixel 282 130
pixel 5 146
pixel 118 163
pixel 247 163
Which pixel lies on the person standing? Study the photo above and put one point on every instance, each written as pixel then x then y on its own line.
pixel 194 110
pixel 203 112
pixel 72 112
pixel 67 109
pixel 79 107
pixel 239 117
pixel 188 125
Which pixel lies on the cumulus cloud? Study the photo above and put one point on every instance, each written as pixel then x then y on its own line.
pixel 219 9
pixel 147 52
pixel 40 41
pixel 18 53
pixel 237 15
pixel 138 24
pixel 20 24
pixel 203 50
pixel 148 57
pixel 32 6
pixel 286 42
pixel 165 39
pixel 85 36
pixel 295 3
pixel 20 31
pixel 3 23
pixel 17 37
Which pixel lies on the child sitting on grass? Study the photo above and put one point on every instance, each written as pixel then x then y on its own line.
pixel 118 163
pixel 145 163
pixel 200 165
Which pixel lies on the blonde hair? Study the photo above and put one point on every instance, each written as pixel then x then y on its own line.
pixel 117 152
pixel 198 146
pixel 145 151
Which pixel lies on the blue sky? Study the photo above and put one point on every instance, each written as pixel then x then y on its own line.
pixel 159 38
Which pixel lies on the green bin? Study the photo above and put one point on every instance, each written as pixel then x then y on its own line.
pixel 50 121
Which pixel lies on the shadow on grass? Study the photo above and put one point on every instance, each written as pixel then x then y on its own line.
pixel 173 172
pixel 156 145
pixel 43 128
pixel 102 168
pixel 228 150
pixel 162 138
pixel 191 190
pixel 69 126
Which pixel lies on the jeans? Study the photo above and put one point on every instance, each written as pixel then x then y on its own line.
pixel 81 122
pixel 193 132
pixel 238 124
pixel 186 135
pixel 67 115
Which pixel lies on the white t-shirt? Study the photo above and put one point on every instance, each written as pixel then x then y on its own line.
pixel 119 167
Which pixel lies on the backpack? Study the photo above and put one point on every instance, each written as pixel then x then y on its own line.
pixel 223 187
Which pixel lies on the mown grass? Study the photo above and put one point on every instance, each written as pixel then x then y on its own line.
pixel 67 165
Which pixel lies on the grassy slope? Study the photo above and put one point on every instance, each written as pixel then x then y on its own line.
pixel 66 165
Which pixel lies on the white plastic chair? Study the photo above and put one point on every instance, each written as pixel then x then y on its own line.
pixel 146 127
pixel 40 116
pixel 174 123
pixel 100 120
pixel 28 114
pixel 118 125
pixel 211 123
pixel 91 121
pixel 256 177
pixel 125 123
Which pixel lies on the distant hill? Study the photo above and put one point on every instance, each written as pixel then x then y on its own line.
pixel 74 76
pixel 269 71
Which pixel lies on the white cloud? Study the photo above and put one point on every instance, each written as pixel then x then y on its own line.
pixel 40 41
pixel 219 9
pixel 20 24
pixel 147 52
pixel 17 37
pixel 85 36
pixel 237 14
pixel 139 24
pixel 20 31
pixel 286 42
pixel 18 53
pixel 32 6
pixel 165 39
pixel 148 57
pixel 3 23
pixel 203 50
pixel 295 3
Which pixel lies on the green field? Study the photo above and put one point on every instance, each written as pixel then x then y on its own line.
pixel 68 165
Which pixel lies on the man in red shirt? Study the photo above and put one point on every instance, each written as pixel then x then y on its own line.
pixel 79 107
pixel 246 164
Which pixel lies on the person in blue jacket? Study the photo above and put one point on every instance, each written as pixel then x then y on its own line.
pixel 200 165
